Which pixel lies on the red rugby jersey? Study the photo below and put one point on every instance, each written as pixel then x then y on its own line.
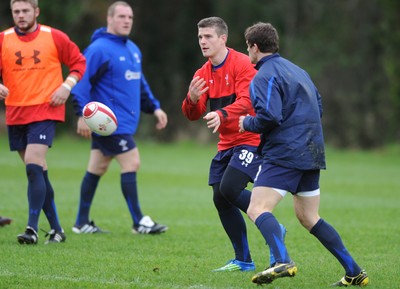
pixel 229 96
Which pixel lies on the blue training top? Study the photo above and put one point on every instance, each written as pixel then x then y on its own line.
pixel 114 77
pixel 288 110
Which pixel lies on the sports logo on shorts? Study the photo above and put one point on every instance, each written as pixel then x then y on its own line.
pixel 246 157
pixel 123 143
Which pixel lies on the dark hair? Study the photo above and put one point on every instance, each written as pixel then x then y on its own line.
pixel 214 22
pixel 264 35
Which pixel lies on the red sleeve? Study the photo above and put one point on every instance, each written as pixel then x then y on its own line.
pixel 193 111
pixel 69 53
pixel 1 45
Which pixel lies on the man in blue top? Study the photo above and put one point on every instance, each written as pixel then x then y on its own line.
pixel 288 115
pixel 114 77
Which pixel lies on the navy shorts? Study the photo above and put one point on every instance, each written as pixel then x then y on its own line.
pixel 244 158
pixel 114 144
pixel 41 132
pixel 286 179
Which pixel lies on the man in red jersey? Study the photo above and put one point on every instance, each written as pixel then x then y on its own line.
pixel 224 82
pixel 35 93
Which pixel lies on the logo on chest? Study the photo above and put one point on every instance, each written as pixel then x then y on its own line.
pixel 34 57
pixel 132 75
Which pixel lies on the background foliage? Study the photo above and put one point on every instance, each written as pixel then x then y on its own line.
pixel 349 47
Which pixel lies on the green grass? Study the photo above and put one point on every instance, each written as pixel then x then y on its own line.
pixel 360 197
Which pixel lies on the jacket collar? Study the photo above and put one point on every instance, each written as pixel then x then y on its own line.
pixel 265 59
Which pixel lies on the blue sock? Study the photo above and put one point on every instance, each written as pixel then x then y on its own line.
pixel 49 207
pixel 330 238
pixel 242 202
pixel 272 260
pixel 36 193
pixel 88 189
pixel 129 189
pixel 271 231
pixel 235 227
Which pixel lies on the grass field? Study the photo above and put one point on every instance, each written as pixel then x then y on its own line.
pixel 360 197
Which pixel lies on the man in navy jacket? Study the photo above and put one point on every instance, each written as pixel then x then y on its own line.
pixel 288 115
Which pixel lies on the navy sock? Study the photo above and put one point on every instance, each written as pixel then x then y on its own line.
pixel 235 227
pixel 49 206
pixel 243 200
pixel 129 189
pixel 272 260
pixel 36 193
pixel 88 189
pixel 330 238
pixel 271 231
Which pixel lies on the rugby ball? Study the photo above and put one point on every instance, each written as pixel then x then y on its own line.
pixel 99 118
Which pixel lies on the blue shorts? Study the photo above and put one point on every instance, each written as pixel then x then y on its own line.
pixel 114 144
pixel 286 179
pixel 41 132
pixel 244 158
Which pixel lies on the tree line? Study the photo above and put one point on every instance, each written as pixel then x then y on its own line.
pixel 349 47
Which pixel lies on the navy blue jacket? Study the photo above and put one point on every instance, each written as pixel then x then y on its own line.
pixel 114 77
pixel 288 115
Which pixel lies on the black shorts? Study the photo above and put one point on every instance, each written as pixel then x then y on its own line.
pixel 287 179
pixel 41 132
pixel 244 158
pixel 114 144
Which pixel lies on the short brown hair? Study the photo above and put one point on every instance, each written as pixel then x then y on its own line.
pixel 264 35
pixel 111 9
pixel 214 22
pixel 34 3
